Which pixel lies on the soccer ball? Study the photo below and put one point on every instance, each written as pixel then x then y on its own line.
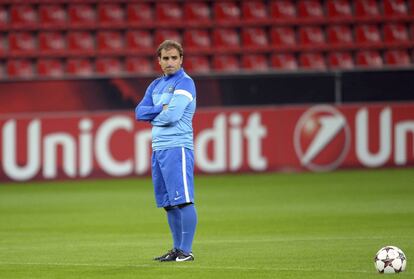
pixel 390 259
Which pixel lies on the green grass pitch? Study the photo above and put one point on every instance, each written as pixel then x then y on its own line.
pixel 307 225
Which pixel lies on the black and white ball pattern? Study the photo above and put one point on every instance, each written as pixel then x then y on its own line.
pixel 390 259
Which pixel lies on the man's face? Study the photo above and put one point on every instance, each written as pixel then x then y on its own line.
pixel 170 61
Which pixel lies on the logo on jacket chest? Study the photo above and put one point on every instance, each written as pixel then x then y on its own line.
pixel 169 90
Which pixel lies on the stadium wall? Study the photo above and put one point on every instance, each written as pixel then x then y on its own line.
pixel 78 145
pixel 212 90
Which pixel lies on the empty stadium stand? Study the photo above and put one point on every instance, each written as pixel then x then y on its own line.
pixel 197 64
pixel 50 67
pixel 43 38
pixel 397 57
pixel 79 67
pixel 340 60
pixel 254 62
pixel 138 65
pixel 284 61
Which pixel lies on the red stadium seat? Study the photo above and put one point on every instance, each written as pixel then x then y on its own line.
pixel 140 13
pixel 310 10
pixel 111 13
pixel 138 65
pixel 197 64
pixel 196 40
pixel 52 41
pixel 4 16
pixel 2 71
pixel 397 57
pixel 168 12
pixel 312 60
pixel 282 9
pixel 139 40
pixel 366 9
pixel 82 14
pixel 23 15
pixel 339 36
pixel 395 33
pixel 226 63
pixel 225 38
pixel 367 35
pixel 108 66
pixel 254 37
pixel 197 12
pixel 254 62
pixel 254 10
pixel 156 65
pixel 22 42
pixel 226 11
pixel 3 48
pixel 411 30
pixel 311 37
pixel 368 58
pixel 79 67
pixel 52 15
pixel 340 60
pixel 50 68
pixel 163 34
pixel 284 61
pixel 339 9
pixel 395 8
pixel 21 68
pixel 283 37
pixel 410 7
pixel 109 41
pixel 80 41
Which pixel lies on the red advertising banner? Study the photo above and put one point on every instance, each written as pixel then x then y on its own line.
pixel 113 144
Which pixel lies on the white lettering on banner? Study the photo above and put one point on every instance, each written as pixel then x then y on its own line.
pixel 362 138
pixel 254 132
pixel 401 133
pixel 389 131
pixel 236 142
pixel 85 147
pixel 216 135
pixel 50 147
pixel 102 150
pixel 10 165
pixel 77 156
pixel 231 142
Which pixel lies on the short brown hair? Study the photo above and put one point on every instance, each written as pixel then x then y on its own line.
pixel 169 44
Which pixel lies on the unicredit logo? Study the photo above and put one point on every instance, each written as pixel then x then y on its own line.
pixel 322 138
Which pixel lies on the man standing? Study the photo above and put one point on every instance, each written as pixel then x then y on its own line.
pixel 169 104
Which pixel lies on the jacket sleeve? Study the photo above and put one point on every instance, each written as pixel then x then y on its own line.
pixel 184 94
pixel 146 110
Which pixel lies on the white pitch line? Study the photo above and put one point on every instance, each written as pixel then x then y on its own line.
pixel 162 265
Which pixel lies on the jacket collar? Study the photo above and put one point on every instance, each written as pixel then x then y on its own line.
pixel 176 74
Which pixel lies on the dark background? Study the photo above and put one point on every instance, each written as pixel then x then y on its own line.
pixel 212 90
